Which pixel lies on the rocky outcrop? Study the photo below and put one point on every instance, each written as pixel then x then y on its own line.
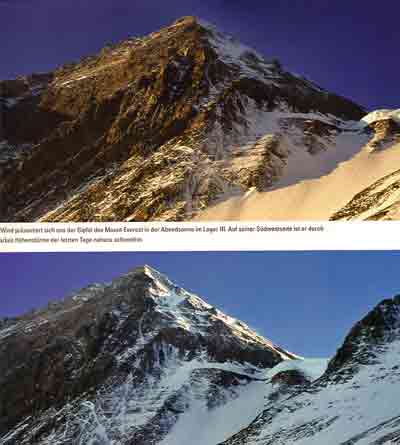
pixel 378 202
pixel 386 133
pixel 291 377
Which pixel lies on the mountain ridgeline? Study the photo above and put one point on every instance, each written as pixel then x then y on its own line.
pixel 141 361
pixel 166 127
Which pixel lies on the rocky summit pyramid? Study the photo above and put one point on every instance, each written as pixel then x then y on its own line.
pixel 141 361
pixel 126 363
pixel 184 123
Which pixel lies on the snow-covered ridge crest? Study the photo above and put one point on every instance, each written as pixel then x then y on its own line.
pixel 383 114
pixel 183 309
pixel 229 46
pixel 251 63
pixel 193 314
pixel 232 52
pixel 166 291
pixel 313 368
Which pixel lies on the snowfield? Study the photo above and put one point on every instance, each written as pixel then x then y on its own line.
pixel 210 427
pixel 360 411
pixel 313 187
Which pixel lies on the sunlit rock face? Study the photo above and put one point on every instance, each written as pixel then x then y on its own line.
pixel 158 128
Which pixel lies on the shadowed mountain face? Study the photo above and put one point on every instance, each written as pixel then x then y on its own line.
pixel 122 363
pixel 161 128
pixel 142 361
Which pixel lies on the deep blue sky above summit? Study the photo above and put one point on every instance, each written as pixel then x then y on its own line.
pixel 347 47
pixel 304 301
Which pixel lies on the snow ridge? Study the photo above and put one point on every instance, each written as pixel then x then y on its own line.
pixel 383 114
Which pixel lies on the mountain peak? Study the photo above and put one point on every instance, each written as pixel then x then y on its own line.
pixel 146 270
pixel 378 328
pixel 139 334
pixel 188 19
pixel 186 102
pixel 161 285
pixel 383 318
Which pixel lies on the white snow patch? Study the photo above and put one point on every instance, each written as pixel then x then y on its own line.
pixel 206 426
pixel 313 368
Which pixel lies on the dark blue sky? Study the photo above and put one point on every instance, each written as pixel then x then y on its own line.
pixel 349 47
pixel 305 301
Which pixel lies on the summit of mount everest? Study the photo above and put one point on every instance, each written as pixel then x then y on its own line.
pixel 188 123
pixel 129 362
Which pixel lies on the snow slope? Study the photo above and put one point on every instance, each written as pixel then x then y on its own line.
pixel 354 402
pixel 339 413
pixel 209 427
pixel 336 177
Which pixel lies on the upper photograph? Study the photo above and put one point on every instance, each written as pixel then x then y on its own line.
pixel 138 111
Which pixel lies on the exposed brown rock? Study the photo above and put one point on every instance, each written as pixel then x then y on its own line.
pixel 371 203
pixel 290 377
pixel 104 135
pixel 386 131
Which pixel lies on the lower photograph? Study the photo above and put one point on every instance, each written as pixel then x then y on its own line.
pixel 200 348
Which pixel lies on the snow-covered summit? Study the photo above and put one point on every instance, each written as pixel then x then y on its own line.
pixel 232 51
pixel 191 313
